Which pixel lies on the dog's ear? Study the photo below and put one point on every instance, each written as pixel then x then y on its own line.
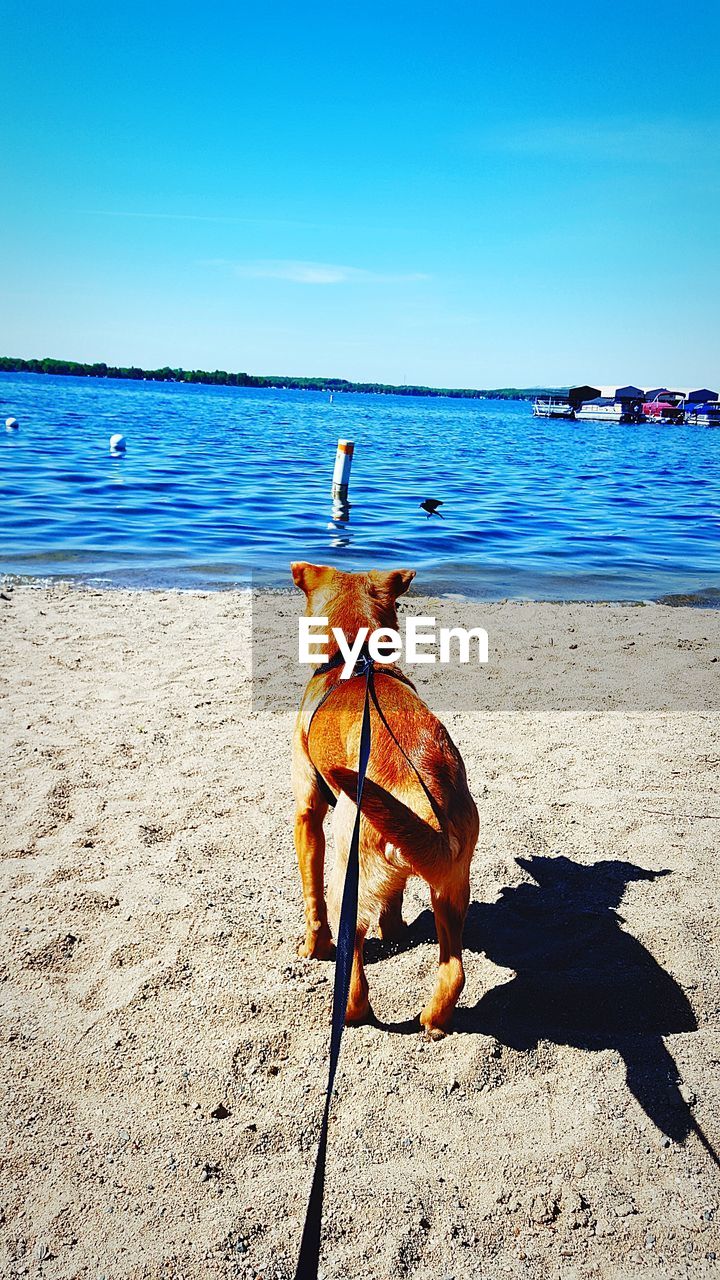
pixel 308 576
pixel 392 584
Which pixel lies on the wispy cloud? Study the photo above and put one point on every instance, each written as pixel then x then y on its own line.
pixel 660 141
pixel 323 273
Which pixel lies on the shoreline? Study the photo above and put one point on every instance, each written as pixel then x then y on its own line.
pixel 706 598
pixel 260 382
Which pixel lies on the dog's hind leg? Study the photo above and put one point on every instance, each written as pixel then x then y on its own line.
pixel 450 904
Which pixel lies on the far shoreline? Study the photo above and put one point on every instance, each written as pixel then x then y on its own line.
pixel 48 367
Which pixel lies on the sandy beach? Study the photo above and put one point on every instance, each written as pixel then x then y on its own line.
pixel 164 1049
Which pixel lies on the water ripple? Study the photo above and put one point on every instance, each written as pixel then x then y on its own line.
pixel 218 482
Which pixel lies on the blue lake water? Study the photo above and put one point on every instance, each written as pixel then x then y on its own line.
pixel 219 482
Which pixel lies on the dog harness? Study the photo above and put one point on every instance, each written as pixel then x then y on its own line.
pixel 363 665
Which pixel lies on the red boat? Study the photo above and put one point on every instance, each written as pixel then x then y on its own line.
pixel 662 405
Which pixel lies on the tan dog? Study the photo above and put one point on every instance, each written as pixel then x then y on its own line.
pixel 418 815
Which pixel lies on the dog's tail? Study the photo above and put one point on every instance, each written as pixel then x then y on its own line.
pixel 418 842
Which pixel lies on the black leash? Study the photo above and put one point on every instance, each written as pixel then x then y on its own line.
pixel 309 1257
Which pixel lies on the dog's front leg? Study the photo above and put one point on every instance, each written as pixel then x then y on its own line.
pixel 310 848
pixel 310 810
pixel 391 926
pixel 358 1005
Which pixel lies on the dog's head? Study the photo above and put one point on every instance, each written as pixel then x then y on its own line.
pixel 351 600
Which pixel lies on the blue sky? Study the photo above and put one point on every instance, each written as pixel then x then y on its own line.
pixel 463 194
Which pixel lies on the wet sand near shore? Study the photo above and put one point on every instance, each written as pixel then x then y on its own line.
pixel 164 1049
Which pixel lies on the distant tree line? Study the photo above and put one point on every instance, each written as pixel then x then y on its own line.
pixel 219 377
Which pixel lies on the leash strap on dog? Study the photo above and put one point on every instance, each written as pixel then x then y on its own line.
pixel 309 1257
pixel 359 669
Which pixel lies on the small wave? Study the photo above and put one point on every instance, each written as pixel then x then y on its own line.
pixel 707 598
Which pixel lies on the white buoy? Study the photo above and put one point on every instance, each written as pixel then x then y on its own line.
pixel 11 424
pixel 341 474
pixel 117 445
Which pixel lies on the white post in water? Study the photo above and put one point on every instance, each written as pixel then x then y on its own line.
pixel 341 474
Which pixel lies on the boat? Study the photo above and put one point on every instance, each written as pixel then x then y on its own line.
pixel 662 405
pixel 601 409
pixel 701 395
pixel 552 407
pixel 631 399
pixel 703 415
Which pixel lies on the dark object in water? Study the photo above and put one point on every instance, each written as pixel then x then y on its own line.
pixel 707 598
pixel 430 505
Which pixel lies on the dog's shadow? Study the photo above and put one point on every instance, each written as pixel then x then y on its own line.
pixel 580 978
